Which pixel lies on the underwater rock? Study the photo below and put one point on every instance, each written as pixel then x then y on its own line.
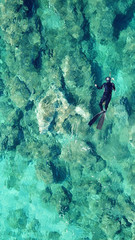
pixel 54 236
pixel 132 137
pixel 44 172
pixel 75 69
pixel 46 195
pixel 61 198
pixel 19 93
pixel 12 134
pixel 17 219
pixel 2 86
pixel 99 234
pixel 110 226
pixel 52 111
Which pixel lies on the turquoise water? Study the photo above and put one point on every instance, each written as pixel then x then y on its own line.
pixel 60 179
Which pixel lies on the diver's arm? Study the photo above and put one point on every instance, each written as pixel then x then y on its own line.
pixel 113 87
pixel 99 87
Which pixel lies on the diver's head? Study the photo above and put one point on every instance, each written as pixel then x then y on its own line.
pixel 108 79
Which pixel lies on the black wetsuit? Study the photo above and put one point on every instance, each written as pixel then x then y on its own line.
pixel 108 86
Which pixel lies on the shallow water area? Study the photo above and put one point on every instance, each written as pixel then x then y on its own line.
pixel 59 178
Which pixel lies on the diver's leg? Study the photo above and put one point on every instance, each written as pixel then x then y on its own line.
pixel 101 102
pixel 107 102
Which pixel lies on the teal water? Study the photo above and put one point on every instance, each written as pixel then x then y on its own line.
pixel 60 179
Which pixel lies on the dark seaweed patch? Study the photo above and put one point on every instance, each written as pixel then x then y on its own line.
pixel 124 101
pixel 121 21
pixel 37 62
pixel 59 173
pixel 85 27
pixel 29 106
pixel 67 125
pixel 32 5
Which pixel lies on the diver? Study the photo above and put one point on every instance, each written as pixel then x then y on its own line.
pixel 108 87
pixel 106 98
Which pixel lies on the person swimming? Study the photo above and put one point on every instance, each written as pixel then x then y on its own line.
pixel 106 98
pixel 108 88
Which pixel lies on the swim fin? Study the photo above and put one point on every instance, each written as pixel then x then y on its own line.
pixel 95 118
pixel 101 121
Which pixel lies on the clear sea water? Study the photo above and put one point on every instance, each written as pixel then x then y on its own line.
pixel 59 178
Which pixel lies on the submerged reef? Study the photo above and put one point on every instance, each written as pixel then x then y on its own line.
pixel 60 179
